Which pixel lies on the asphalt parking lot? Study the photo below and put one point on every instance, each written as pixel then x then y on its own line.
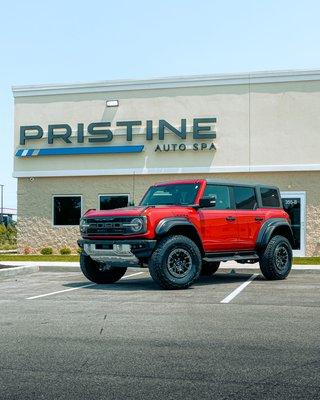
pixel 232 336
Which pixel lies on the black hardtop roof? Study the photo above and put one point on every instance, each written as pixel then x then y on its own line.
pixel 239 183
pixel 216 182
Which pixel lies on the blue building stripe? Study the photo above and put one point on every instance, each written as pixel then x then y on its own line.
pixel 19 153
pixel 61 151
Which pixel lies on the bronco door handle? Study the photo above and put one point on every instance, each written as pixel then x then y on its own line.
pixel 230 218
pixel 259 218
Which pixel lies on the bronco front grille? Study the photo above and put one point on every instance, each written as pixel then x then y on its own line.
pixel 107 226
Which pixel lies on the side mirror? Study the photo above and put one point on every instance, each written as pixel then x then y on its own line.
pixel 207 202
pixel 131 203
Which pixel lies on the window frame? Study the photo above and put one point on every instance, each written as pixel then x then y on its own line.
pixel 112 195
pixel 52 209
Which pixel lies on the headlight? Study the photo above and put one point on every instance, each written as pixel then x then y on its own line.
pixel 83 225
pixel 136 225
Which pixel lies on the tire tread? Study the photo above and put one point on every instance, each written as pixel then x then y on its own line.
pixel 156 263
pixel 266 259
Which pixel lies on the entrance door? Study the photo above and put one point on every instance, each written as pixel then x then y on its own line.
pixel 294 204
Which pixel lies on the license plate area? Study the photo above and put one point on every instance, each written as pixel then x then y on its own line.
pixel 104 246
pixel 122 248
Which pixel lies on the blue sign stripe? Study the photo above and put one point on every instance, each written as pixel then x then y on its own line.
pixel 19 152
pixel 61 151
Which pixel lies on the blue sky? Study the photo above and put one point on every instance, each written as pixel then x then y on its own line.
pixel 74 41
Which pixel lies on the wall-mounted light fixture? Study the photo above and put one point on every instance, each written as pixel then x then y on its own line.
pixel 112 103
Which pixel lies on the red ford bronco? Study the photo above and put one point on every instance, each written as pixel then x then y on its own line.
pixel 186 228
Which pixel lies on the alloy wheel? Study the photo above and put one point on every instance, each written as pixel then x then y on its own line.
pixel 179 263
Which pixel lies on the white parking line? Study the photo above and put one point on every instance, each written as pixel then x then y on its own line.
pixel 75 288
pixel 239 289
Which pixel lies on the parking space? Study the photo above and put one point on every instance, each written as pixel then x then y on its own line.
pixel 127 340
pixel 136 284
pixel 250 288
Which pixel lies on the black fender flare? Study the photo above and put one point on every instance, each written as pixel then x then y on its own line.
pixel 268 228
pixel 166 224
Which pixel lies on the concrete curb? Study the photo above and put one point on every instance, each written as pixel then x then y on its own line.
pixel 22 270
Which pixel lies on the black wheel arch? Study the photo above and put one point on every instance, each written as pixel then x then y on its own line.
pixel 273 227
pixel 179 226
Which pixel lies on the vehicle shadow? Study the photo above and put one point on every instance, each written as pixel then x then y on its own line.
pixel 146 283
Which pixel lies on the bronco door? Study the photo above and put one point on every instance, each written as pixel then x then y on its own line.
pixel 218 224
pixel 249 216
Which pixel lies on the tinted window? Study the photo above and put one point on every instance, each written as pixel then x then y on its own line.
pixel 180 194
pixel 270 197
pixel 66 210
pixel 108 202
pixel 245 198
pixel 221 193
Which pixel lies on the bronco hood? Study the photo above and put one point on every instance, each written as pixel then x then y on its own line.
pixel 117 212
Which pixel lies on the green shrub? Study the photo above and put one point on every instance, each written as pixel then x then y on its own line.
pixel 46 251
pixel 8 247
pixel 3 234
pixel 8 235
pixel 65 251
pixel 79 250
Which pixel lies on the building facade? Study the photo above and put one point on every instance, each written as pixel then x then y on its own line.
pixel 100 145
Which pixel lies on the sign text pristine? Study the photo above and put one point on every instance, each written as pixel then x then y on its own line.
pixel 100 132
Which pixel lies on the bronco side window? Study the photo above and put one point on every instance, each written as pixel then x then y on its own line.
pixel 245 198
pixel 269 197
pixel 222 195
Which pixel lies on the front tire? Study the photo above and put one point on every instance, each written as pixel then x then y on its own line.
pixel 276 260
pixel 92 270
pixel 175 263
pixel 209 267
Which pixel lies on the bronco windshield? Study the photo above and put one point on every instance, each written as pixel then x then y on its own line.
pixel 172 194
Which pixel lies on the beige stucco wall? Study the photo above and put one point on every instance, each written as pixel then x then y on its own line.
pixel 260 127
pixel 35 201
pixel 257 125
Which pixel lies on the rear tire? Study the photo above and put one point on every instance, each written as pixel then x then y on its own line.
pixel 276 259
pixel 92 270
pixel 209 267
pixel 175 263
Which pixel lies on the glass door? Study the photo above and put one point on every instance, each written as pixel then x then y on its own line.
pixel 294 204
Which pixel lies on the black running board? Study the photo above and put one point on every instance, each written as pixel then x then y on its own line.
pixel 241 256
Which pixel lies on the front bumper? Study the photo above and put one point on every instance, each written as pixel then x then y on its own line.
pixel 118 253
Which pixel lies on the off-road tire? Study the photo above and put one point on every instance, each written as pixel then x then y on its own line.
pixel 90 269
pixel 161 262
pixel 209 267
pixel 268 258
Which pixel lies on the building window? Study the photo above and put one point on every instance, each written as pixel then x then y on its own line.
pixel 111 201
pixel 66 210
pixel 245 198
pixel 270 197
